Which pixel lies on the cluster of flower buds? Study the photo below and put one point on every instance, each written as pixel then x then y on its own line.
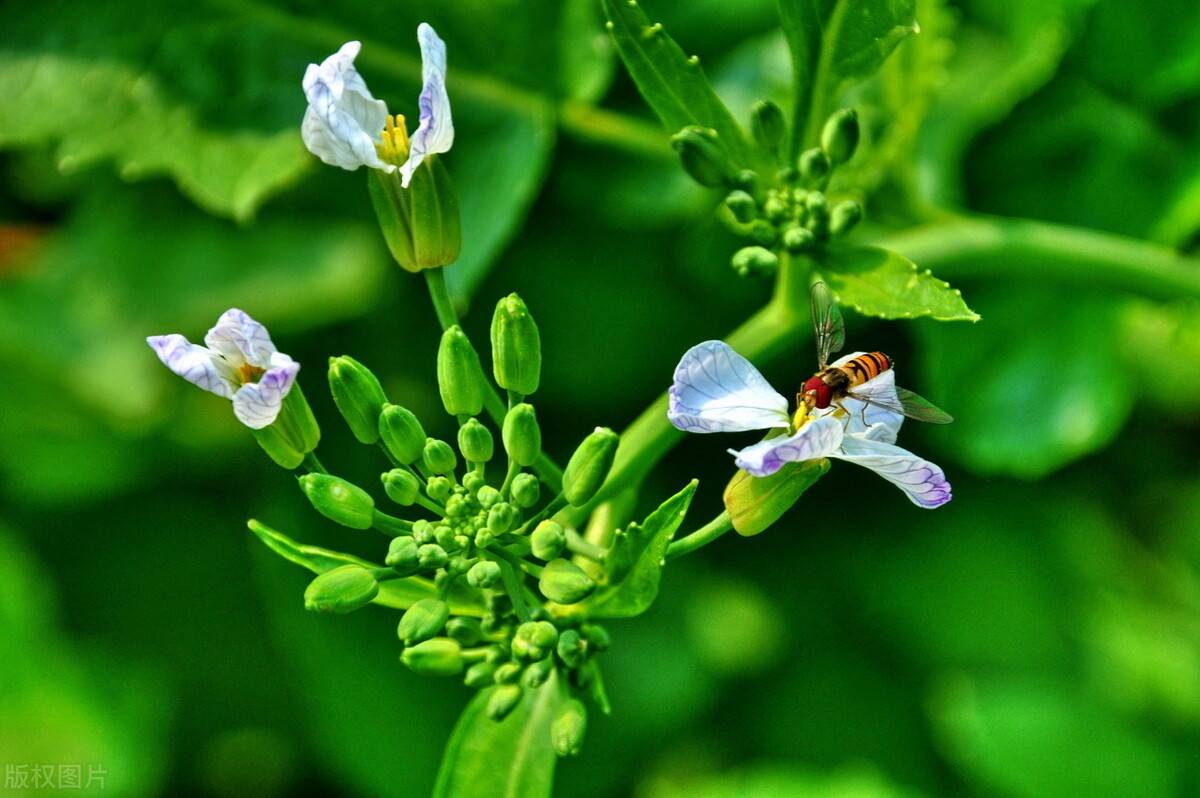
pixel 500 566
pixel 793 213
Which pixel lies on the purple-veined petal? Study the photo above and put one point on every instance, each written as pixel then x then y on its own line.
pixel 883 422
pixel 257 404
pixel 818 438
pixel 717 390
pixel 343 121
pixel 194 363
pixel 923 482
pixel 435 128
pixel 241 339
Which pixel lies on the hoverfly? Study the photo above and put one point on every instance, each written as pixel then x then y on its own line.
pixel 832 384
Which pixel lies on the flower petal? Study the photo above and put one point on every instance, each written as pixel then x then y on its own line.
pixel 923 482
pixel 257 404
pixel 194 363
pixel 816 439
pixel 241 339
pixel 343 121
pixel 717 390
pixel 435 129
pixel 883 422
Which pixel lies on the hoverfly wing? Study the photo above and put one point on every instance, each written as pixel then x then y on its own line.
pixel 828 327
pixel 907 404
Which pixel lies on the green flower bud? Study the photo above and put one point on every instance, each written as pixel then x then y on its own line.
pixel 431 555
pixel 358 396
pixel 839 137
pixel 464 631
pixel 702 156
pixel 570 723
pixel 542 634
pixel 473 481
pixel 536 673
pixel 524 651
pixel 402 556
pixel 440 656
pixel 814 165
pixel 294 432
pixel 521 434
pixel 460 377
pixel 439 457
pixel 487 496
pixel 483 574
pixel 775 209
pixel 504 699
pixel 742 206
pixel 798 239
pixel 339 500
pixel 344 589
pixel 401 433
pixel 754 503
pixel 479 675
pixel 763 232
pixel 526 490
pixel 401 486
pixel 439 488
pixel 564 582
pixel 788 175
pixel 420 223
pixel 747 180
pixel 507 673
pixel 484 537
pixel 422 621
pixel 548 540
pixel 501 518
pixel 516 347
pixel 754 260
pixel 597 636
pixel 457 507
pixel 570 648
pixel 589 466
pixel 767 125
pixel 422 531
pixel 843 217
pixel 475 442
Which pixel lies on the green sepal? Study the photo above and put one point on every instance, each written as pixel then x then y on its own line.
pixel 421 224
pixel 293 434
pixel 754 503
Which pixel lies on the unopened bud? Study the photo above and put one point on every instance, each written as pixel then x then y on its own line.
pixel 504 699
pixel 439 488
pixel 464 631
pixel 401 486
pixel 431 555
pixel 548 540
pixel 596 635
pixel 542 634
pixel 567 730
pixel 754 260
pixel 401 433
pixel 536 673
pixel 839 137
pixel 460 377
pixel 742 206
pixel 339 500
pixel 767 125
pixel 479 675
pixel 422 621
pixel 589 466
pixel 402 556
pixel 570 648
pixel 358 396
pixel 440 656
pixel 507 673
pixel 439 456
pixel 501 518
pixel 487 496
pixel 475 442
pixel 564 582
pixel 483 574
pixel 754 503
pixel 814 165
pixel 702 156
pixel 526 490
pixel 344 589
pixel 798 239
pixel 473 481
pixel 516 347
pixel 844 216
pixel 522 435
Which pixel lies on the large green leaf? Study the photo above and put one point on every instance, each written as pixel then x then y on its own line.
pixel 512 758
pixel 879 282
pixel 673 84
pixel 645 545
pixel 395 593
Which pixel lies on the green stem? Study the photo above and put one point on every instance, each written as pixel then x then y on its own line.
pixel 390 525
pixel 512 585
pixel 701 537
pixel 447 317
pixel 313 464
pixel 577 545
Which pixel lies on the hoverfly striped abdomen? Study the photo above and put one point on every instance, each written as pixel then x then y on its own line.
pixel 865 367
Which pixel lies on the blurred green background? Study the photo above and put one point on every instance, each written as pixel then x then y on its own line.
pixel 1039 636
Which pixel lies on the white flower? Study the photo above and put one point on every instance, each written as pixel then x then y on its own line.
pixel 238 363
pixel 717 390
pixel 345 125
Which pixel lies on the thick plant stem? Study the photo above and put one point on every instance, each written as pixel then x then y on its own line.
pixel 496 407
pixel 701 537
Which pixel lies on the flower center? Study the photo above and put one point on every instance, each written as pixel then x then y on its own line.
pixel 247 373
pixel 393 148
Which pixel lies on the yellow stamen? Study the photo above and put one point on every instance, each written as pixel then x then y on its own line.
pixel 393 148
pixel 247 373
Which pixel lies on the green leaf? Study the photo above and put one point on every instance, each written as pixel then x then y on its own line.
pixel 754 503
pixel 836 44
pixel 395 593
pixel 673 84
pixel 646 546
pixel 512 758
pixel 879 282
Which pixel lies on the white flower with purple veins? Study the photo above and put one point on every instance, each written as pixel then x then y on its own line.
pixel 239 362
pixel 346 126
pixel 717 390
